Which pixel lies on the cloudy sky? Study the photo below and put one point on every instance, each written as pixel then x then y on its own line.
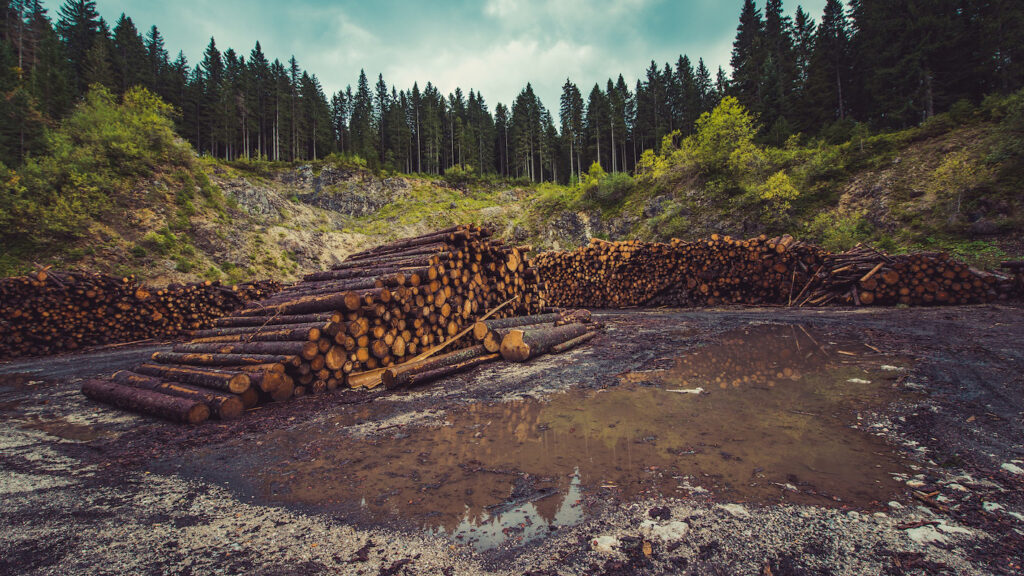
pixel 494 46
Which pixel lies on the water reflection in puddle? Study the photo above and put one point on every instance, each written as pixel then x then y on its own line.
pixel 772 424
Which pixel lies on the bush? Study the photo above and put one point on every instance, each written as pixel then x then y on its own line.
pixel 725 137
pixel 604 189
pixel 95 158
pixel 837 232
pixel 777 193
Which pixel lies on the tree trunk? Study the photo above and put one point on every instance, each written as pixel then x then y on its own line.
pixel 234 382
pixel 521 345
pixel 146 401
pixel 223 406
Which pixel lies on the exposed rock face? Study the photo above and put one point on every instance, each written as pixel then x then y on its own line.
pixel 255 199
pixel 355 193
pixel 570 229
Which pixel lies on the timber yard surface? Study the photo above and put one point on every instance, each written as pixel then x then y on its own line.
pixel 723 441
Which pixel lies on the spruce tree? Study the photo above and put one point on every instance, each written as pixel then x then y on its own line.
pixel 747 59
pixel 129 58
pixel 571 115
pixel 361 125
pixel 78 25
pixel 829 71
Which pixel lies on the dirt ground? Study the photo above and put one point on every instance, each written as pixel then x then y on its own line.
pixel 732 441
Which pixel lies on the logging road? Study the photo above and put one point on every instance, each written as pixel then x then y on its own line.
pixel 732 441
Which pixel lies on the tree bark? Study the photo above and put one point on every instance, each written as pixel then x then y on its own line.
pixel 223 406
pixel 521 345
pixel 146 401
pixel 234 382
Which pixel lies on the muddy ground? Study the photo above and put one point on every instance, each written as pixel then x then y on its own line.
pixel 734 441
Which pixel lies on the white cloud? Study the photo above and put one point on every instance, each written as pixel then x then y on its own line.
pixel 500 70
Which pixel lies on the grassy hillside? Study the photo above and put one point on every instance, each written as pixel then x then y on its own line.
pixel 119 192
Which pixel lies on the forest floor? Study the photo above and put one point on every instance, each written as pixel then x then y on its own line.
pixel 720 441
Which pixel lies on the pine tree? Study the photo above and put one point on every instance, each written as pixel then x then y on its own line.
pixel 628 143
pixel 361 124
pixel 21 124
pixel 691 97
pixel 158 63
pixel 130 66
pixel 705 88
pixel 747 59
pixel 78 26
pixel 380 111
pixel 829 71
pixel 97 68
pixel 779 73
pixel 50 77
pixel 501 126
pixel 571 115
pixel 211 70
pixel 259 92
pixel 596 124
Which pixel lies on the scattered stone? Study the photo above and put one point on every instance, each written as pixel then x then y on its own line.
pixel 606 544
pixel 735 510
pixel 660 513
pixel 670 532
pixel 1012 468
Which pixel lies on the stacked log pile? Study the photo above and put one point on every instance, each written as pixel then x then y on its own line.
pixel 781 271
pixel 394 306
pixel 50 312
pixel 719 270
pixel 864 277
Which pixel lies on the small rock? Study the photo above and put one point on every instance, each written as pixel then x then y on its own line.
pixel 735 510
pixel 670 532
pixel 926 535
pixel 1012 468
pixel 660 513
pixel 604 544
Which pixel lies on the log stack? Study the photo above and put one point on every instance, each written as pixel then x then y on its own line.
pixel 50 312
pixel 864 276
pixel 380 308
pixel 758 271
pixel 719 270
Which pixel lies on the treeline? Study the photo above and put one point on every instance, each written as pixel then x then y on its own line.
pixel 887 64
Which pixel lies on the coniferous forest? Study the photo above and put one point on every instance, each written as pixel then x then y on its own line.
pixel 879 63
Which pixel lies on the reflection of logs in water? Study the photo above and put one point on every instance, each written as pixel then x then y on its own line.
pixel 765 356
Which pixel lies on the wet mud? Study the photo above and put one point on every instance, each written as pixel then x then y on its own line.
pixel 695 442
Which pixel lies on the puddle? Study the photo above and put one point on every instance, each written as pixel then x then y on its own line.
pixel 21 380
pixel 772 425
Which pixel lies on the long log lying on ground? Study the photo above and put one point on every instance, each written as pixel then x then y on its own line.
pixel 206 359
pixel 522 345
pixel 258 321
pixel 234 382
pixel 286 335
pixel 221 405
pixel 146 401
pixel 426 376
pixel 480 329
pixel 305 348
pixel 402 375
pixel 574 342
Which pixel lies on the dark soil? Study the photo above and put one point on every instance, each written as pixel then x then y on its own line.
pixel 85 488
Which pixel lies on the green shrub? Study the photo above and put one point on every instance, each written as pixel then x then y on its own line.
pixel 94 159
pixel 609 189
pixel 837 232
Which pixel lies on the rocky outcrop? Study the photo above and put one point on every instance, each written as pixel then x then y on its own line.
pixel 342 190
